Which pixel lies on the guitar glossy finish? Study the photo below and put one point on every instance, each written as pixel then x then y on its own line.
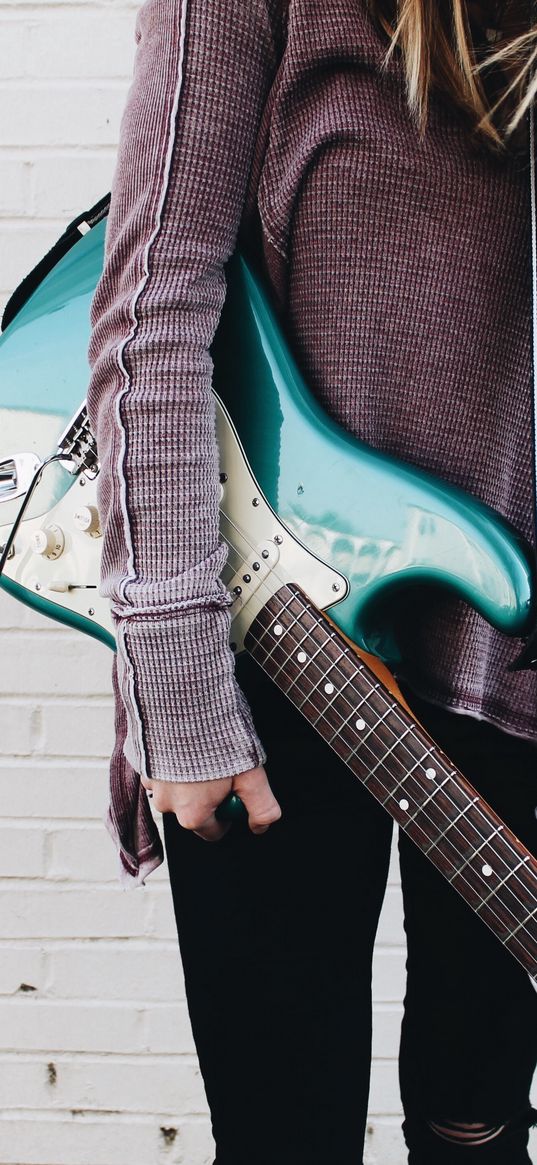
pixel 44 366
pixel 384 524
pixel 315 520
pixel 381 524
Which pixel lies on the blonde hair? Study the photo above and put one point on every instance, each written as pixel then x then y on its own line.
pixel 436 44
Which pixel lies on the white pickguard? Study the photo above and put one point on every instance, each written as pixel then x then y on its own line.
pixel 70 582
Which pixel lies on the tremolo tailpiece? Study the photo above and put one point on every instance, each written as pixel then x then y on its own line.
pixel 77 445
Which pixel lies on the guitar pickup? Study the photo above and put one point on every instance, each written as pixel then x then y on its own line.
pixel 253 572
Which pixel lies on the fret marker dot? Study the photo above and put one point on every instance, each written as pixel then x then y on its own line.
pixel 403 804
pixel 277 628
pixel 360 724
pixel 487 871
pixel 430 773
pixel 302 657
pixel 329 688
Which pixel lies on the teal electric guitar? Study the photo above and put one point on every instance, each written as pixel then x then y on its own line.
pixel 323 532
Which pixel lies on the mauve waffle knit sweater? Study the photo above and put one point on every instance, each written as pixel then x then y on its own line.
pixel 402 272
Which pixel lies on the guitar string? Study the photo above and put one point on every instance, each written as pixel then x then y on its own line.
pixel 388 706
pixel 516 926
pixel 520 926
pixel 399 740
pixel 457 870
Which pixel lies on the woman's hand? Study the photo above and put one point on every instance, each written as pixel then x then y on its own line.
pixel 194 802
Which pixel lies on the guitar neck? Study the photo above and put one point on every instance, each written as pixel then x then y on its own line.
pixel 400 764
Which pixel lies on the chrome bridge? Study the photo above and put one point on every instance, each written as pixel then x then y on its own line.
pixel 78 445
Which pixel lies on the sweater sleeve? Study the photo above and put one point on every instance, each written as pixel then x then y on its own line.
pixel 201 78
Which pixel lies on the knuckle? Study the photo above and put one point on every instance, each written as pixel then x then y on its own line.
pixel 262 820
pixel 270 814
pixel 189 819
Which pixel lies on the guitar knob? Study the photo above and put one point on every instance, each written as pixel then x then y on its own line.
pixel 86 518
pixel 49 542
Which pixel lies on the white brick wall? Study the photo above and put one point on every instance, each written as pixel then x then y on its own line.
pixel 97 1065
pixel 90 1041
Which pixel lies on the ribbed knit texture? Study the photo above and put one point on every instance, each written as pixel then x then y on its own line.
pixel 402 273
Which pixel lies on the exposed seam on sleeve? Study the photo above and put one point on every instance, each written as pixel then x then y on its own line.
pixel 131 573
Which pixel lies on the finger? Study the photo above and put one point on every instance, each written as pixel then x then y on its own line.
pixel 201 819
pixel 261 805
pixel 211 829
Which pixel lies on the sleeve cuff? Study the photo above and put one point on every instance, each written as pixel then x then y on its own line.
pixel 187 717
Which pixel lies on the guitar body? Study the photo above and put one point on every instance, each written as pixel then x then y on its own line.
pixel 315 520
pixel 362 523
pixel 382 524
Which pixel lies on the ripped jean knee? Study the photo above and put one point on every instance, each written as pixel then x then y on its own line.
pixel 466 1134
pixel 447 1142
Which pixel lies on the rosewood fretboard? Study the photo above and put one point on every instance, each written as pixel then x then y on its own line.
pixel 393 756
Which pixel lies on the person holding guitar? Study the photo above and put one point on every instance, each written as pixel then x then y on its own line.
pixel 379 180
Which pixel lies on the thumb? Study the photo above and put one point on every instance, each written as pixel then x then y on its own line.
pixel 256 794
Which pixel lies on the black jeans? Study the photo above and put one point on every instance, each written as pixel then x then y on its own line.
pixel 276 935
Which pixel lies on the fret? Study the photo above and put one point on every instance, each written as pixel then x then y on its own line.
pixel 494 917
pixel 503 881
pixel 442 839
pixel 279 655
pixel 450 825
pixel 324 676
pixel 530 916
pixel 407 774
pixel 323 709
pixel 524 917
pixel 509 907
pixel 394 757
pixel 501 912
pixel 417 764
pixel 352 748
pixel 309 688
pixel 362 739
pixel 473 880
pixel 289 659
pixel 337 692
pixel 501 853
pixel 526 877
pixel 308 698
pixel 356 707
pixel 524 932
pixel 428 799
pixel 413 790
pixel 395 744
pixel 277 642
pixel 299 643
pixel 274 620
pixel 313 687
pixel 485 841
